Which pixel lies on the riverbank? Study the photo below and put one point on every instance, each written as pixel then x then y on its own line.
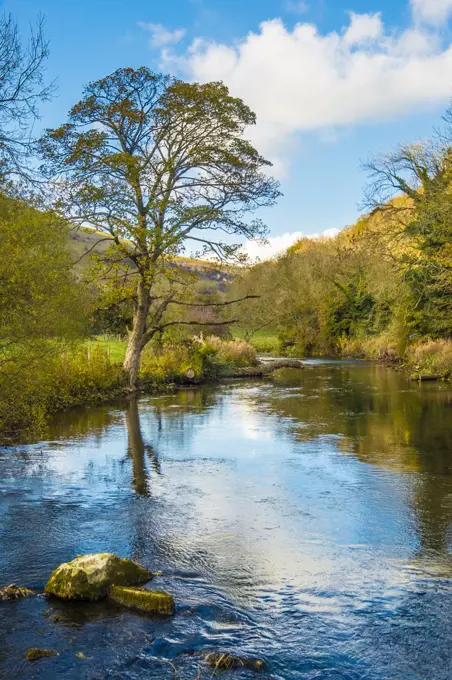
pixel 91 373
pixel 421 360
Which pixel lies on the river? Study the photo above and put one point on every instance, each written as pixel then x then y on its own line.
pixel 305 520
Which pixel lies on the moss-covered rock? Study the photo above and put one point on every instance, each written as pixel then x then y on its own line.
pixel 13 592
pixel 152 601
pixel 222 661
pixel 88 577
pixel 34 654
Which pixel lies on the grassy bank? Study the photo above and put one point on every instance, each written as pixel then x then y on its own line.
pixel 432 358
pixel 91 373
pixel 420 359
pixel 33 389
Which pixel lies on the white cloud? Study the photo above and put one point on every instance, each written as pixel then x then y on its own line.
pixel 364 28
pixel 328 233
pixel 279 244
pixel 300 80
pixel 161 36
pixel 432 12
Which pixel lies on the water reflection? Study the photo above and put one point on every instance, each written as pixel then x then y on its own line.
pixel 305 520
pixel 138 451
pixel 387 421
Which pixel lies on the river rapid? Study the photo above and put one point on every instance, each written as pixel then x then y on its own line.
pixel 305 520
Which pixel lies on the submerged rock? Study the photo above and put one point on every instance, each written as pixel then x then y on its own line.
pixel 88 577
pixel 13 592
pixel 34 654
pixel 152 601
pixel 222 661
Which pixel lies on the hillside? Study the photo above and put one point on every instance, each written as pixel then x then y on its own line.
pixel 85 241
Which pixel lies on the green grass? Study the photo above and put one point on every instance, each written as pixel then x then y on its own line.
pixel 264 341
pixel 117 348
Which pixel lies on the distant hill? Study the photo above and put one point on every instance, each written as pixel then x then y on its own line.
pixel 85 240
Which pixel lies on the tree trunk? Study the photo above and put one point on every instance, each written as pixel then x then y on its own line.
pixel 135 345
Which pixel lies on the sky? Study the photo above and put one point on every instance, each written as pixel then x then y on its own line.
pixel 332 81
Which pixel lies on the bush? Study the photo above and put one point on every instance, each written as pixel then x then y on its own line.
pixel 389 346
pixel 199 358
pixel 266 343
pixel 31 391
pixel 171 364
pixel 351 347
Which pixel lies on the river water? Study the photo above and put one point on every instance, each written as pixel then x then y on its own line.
pixel 305 520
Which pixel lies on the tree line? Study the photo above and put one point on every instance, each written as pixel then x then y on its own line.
pixel 382 284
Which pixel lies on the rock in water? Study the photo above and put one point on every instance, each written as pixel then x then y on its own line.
pixel 151 601
pixel 34 654
pixel 88 577
pixel 13 592
pixel 221 661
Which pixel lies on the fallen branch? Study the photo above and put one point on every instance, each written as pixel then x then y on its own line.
pixel 261 369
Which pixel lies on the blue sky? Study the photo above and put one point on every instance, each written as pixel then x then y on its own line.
pixel 332 81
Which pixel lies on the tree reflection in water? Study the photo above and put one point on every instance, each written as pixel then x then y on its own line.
pixel 385 420
pixel 139 451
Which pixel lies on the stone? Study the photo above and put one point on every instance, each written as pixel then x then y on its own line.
pixel 151 601
pixel 34 654
pixel 222 661
pixel 88 577
pixel 13 592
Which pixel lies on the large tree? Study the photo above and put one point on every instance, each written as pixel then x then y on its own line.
pixel 22 88
pixel 157 164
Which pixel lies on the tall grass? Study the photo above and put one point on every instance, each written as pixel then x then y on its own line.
pixel 237 352
pixel 431 357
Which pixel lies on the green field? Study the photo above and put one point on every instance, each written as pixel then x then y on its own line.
pixel 117 348
pixel 264 340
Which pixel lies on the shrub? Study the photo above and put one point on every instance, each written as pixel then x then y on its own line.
pixel 266 343
pixel 170 364
pixel 351 347
pixel 200 358
pixel 31 391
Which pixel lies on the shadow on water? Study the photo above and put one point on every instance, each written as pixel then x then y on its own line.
pixel 306 520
